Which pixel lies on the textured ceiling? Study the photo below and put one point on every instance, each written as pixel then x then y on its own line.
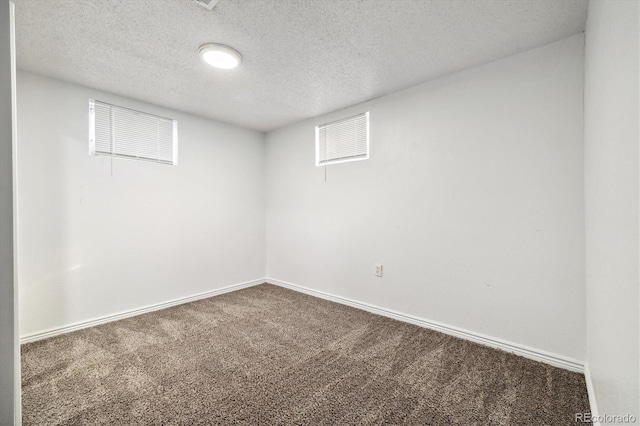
pixel 302 58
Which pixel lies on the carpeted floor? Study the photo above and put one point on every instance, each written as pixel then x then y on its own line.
pixel 267 355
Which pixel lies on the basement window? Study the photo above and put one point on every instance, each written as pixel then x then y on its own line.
pixel 343 140
pixel 120 132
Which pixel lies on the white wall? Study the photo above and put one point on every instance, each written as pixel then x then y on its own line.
pixel 9 348
pixel 92 244
pixel 472 199
pixel 612 214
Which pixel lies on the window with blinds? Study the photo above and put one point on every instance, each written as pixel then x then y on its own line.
pixel 343 140
pixel 125 133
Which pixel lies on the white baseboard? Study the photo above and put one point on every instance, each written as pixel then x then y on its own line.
pixel 521 350
pixel 527 352
pixel 133 312
pixel 592 395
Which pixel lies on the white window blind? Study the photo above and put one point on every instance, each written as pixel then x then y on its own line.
pixel 125 133
pixel 343 140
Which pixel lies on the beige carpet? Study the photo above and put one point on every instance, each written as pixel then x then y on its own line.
pixel 267 355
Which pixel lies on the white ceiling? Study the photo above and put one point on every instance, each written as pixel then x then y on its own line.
pixel 302 58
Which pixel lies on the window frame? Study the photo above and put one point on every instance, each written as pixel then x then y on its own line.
pixel 343 159
pixel 93 151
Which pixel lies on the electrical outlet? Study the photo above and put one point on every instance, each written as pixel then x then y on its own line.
pixel 379 270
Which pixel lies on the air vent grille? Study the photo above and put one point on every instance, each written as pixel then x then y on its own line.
pixel 207 4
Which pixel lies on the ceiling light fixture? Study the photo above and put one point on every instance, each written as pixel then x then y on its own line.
pixel 220 56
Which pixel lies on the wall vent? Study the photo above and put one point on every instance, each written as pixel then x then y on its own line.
pixel 207 4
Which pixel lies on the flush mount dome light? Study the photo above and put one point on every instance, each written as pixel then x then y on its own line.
pixel 220 56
